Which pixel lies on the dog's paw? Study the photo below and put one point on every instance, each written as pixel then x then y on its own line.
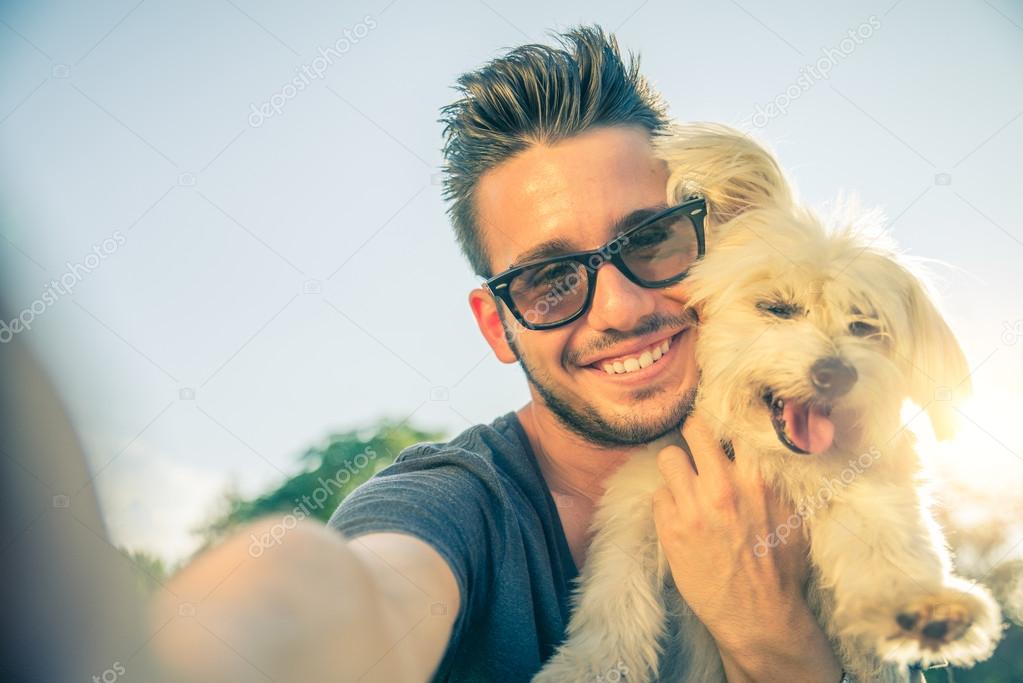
pixel 934 623
pixel 957 624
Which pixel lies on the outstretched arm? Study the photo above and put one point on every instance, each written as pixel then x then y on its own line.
pixel 315 607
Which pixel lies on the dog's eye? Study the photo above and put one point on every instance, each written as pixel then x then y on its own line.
pixel 779 309
pixel 860 328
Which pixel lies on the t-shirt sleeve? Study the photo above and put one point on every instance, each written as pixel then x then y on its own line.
pixel 440 502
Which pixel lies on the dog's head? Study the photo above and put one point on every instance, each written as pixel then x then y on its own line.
pixel 813 338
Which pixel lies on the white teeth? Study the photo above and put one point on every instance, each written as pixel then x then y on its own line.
pixel 643 360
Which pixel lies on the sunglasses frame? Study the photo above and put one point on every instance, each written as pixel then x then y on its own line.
pixel 694 208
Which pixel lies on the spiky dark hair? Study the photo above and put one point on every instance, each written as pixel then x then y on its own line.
pixel 536 94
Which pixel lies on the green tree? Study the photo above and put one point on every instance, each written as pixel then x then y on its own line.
pixel 328 473
pixel 149 571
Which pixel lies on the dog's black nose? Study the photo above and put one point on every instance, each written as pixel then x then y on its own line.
pixel 832 377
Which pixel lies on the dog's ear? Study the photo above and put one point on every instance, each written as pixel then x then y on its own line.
pixel 939 377
pixel 730 169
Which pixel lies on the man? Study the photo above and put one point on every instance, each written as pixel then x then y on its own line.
pixel 549 153
pixel 456 563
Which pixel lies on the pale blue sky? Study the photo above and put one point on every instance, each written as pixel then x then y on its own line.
pixel 281 271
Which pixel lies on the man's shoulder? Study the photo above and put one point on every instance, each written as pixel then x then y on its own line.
pixel 483 460
pixel 431 489
pixel 484 447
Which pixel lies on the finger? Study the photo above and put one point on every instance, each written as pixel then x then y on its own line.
pixel 748 476
pixel 744 456
pixel 708 456
pixel 664 505
pixel 677 469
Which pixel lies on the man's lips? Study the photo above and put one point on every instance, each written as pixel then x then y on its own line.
pixel 651 373
pixel 630 350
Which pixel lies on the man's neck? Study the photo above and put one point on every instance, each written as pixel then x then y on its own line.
pixel 571 465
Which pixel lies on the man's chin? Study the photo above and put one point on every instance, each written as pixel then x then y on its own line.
pixel 647 419
pixel 617 426
pixel 629 416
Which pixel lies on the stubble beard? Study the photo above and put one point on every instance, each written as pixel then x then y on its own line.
pixel 585 420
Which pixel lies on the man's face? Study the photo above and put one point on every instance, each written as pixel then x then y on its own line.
pixel 575 192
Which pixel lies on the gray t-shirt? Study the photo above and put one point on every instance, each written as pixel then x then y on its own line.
pixel 482 502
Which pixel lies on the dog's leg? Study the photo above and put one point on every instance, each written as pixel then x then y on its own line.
pixel 863 665
pixel 884 559
pixel 618 614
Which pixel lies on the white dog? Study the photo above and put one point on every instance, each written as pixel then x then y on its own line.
pixel 810 339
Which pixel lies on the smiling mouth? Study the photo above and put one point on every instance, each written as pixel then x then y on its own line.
pixel 639 360
pixel 803 428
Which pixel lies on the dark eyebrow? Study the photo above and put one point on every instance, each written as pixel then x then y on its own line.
pixel 560 245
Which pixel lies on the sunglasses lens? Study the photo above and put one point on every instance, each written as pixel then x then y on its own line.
pixel 663 250
pixel 550 293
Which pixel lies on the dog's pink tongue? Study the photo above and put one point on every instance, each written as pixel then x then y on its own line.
pixel 808 427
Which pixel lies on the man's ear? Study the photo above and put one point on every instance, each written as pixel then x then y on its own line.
pixel 484 309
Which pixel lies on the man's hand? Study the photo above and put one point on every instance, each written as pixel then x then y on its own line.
pixel 710 520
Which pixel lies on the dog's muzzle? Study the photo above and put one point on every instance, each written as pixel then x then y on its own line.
pixel 805 427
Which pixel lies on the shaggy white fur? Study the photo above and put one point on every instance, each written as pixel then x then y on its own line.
pixel 811 337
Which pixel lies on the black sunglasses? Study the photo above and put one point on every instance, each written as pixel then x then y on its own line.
pixel 656 252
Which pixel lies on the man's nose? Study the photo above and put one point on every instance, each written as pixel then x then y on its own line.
pixel 619 303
